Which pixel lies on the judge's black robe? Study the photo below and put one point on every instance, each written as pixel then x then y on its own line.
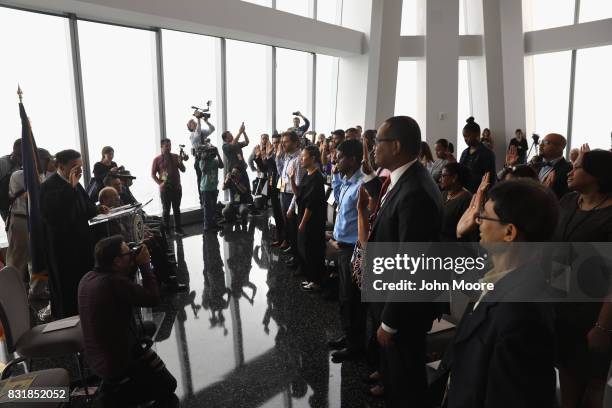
pixel 65 211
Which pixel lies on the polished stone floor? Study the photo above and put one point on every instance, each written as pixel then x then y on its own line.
pixel 246 335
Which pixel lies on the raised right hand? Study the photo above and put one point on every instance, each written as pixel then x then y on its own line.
pixel 366 166
pixel 74 176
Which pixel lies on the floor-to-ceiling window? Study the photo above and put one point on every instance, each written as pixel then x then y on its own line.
pixel 327 86
pixel 542 14
pixel 547 93
pixel 248 84
pixel 409 94
pixel 329 11
pixel 36 55
pixel 299 7
pixel 592 120
pixel 292 86
pixel 120 92
pixel 186 85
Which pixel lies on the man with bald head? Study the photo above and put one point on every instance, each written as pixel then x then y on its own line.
pixel 554 169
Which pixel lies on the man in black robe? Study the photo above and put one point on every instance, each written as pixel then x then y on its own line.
pixel 65 209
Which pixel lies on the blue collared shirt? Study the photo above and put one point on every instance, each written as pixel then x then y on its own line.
pixel 346 192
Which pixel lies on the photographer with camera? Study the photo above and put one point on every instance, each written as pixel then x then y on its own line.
pixel 300 130
pixel 165 172
pixel 240 195
pixel 210 162
pixel 232 149
pixel 108 296
pixel 198 138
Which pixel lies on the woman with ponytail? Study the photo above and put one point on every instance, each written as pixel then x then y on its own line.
pixel 476 157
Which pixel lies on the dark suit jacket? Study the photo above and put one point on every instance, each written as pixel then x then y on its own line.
pixel 561 168
pixel 502 354
pixel 65 211
pixel 412 212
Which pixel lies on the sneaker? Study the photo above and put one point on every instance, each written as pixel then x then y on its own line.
pixel 311 287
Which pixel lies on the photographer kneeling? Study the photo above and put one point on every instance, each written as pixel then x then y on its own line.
pixel 131 374
pixel 240 195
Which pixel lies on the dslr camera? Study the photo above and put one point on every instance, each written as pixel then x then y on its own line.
pixel 182 153
pixel 202 112
pixel 536 139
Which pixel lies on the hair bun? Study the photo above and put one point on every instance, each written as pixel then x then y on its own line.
pixel 470 119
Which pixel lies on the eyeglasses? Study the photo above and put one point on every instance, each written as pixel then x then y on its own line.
pixel 445 174
pixel 480 217
pixel 378 140
pixel 546 142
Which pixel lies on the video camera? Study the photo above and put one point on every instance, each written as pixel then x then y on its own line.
pixel 206 150
pixel 536 139
pixel 202 112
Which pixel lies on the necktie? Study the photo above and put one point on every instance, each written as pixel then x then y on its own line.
pixel 383 191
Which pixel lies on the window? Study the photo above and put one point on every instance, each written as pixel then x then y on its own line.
pixel 48 94
pixel 591 10
pixel 120 91
pixel 470 17
pixel 248 84
pixel 547 92
pixel 592 122
pixel 292 83
pixel 413 17
pixel 190 78
pixel 464 106
pixel 327 86
pixel 542 14
pixel 266 3
pixel 409 99
pixel 328 11
pixel 299 7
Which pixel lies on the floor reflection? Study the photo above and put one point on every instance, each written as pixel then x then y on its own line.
pixel 254 339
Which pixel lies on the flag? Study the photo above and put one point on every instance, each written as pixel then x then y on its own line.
pixel 31 172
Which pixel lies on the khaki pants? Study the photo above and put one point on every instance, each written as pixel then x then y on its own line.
pixel 18 251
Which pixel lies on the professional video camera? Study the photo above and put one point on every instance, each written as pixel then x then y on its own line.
pixel 206 150
pixel 202 112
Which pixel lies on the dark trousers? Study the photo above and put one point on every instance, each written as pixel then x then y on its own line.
pixel 172 198
pixel 352 310
pixel 277 211
pixel 143 385
pixel 198 171
pixel 290 225
pixel 403 369
pixel 209 199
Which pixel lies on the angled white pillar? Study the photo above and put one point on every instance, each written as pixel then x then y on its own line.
pixel 504 56
pixel 383 55
pixel 366 83
pixel 442 55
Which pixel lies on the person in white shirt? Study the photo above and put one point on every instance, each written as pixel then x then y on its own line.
pixel 198 137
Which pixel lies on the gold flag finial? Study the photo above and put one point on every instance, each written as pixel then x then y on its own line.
pixel 19 93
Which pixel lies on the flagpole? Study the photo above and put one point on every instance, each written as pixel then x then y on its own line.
pixel 19 93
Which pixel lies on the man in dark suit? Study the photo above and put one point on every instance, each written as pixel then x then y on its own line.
pixel 502 354
pixel 553 168
pixel 66 208
pixel 409 210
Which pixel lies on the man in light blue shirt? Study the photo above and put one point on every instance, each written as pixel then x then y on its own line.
pixel 346 181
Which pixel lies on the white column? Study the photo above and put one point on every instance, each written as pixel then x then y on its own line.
pixel 504 56
pixel 442 56
pixel 366 84
pixel 384 47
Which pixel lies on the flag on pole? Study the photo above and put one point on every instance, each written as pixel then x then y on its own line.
pixel 31 177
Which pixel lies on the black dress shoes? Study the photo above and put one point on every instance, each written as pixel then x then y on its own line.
pixel 345 354
pixel 337 343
